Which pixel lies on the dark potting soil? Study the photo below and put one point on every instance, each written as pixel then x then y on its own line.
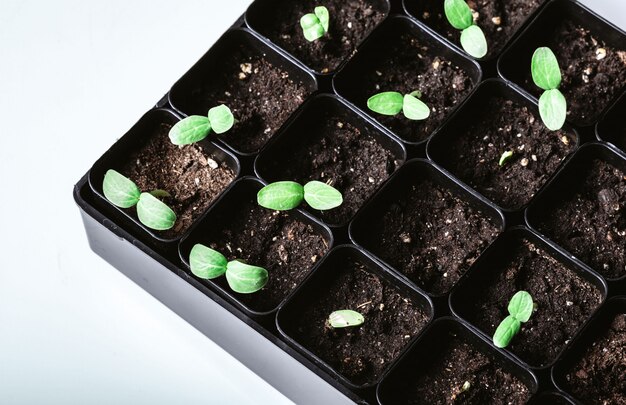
pixel 506 126
pixel 499 19
pixel 564 302
pixel 285 246
pixel 260 95
pixel 193 178
pixel 599 376
pixel 593 74
pixel 407 64
pixel 456 363
pixel 431 236
pixel 360 353
pixel 350 22
pixel 591 223
pixel 334 150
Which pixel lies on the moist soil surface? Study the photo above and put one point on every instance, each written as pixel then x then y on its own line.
pixel 335 151
pixel 455 363
pixel 359 353
pixel 564 302
pixel 598 377
pixel 430 236
pixel 502 125
pixel 285 246
pixel 260 95
pixel 406 64
pixel 350 22
pixel 193 178
pixel 591 223
pixel 499 19
pixel 593 74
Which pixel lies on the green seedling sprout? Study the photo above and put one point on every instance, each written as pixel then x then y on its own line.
pixel 208 264
pixel 460 17
pixel 520 309
pixel 287 195
pixel 345 318
pixel 151 211
pixel 197 127
pixel 506 156
pixel 315 25
pixel 547 75
pixel 392 103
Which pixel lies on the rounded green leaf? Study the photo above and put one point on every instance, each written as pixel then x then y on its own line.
pixel 120 190
pixel 207 263
pixel 414 108
pixel 506 331
pixel 281 196
pixel 521 306
pixel 458 14
pixel 309 20
pixel 474 42
pixel 221 119
pixel 387 103
pixel 190 130
pixel 345 318
pixel 245 279
pixel 322 14
pixel 553 109
pixel 545 69
pixel 321 196
pixel 154 214
pixel 314 33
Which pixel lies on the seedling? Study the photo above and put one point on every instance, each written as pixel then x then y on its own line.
pixel 315 25
pixel 208 264
pixel 197 127
pixel 345 318
pixel 547 75
pixel 520 309
pixel 287 195
pixel 460 17
pixel 392 103
pixel 505 157
pixel 151 211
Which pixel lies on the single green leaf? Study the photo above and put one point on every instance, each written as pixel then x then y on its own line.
pixel 553 109
pixel 321 196
pixel 345 318
pixel 545 69
pixel 309 20
pixel 458 14
pixel 207 263
pixel 221 119
pixel 120 190
pixel 154 214
pixel 245 279
pixel 160 193
pixel 387 103
pixel 506 331
pixel 314 33
pixel 506 156
pixel 322 14
pixel 281 196
pixel 521 306
pixel 474 42
pixel 414 108
pixel 190 130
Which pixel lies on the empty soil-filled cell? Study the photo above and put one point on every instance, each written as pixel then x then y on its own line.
pixel 498 19
pixel 599 374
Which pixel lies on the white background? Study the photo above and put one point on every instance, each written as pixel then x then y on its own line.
pixel 74 76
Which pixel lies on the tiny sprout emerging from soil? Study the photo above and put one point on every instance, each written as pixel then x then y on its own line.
pixel 392 103
pixel 151 211
pixel 473 39
pixel 547 75
pixel 242 278
pixel 197 127
pixel 287 195
pixel 520 309
pixel 345 318
pixel 506 156
pixel 315 25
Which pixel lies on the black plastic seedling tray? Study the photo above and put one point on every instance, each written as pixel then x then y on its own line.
pixel 266 337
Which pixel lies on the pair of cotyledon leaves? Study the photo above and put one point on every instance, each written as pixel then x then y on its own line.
pixel 547 75
pixel 315 25
pixel 287 195
pixel 473 39
pixel 392 103
pixel 520 309
pixel 197 127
